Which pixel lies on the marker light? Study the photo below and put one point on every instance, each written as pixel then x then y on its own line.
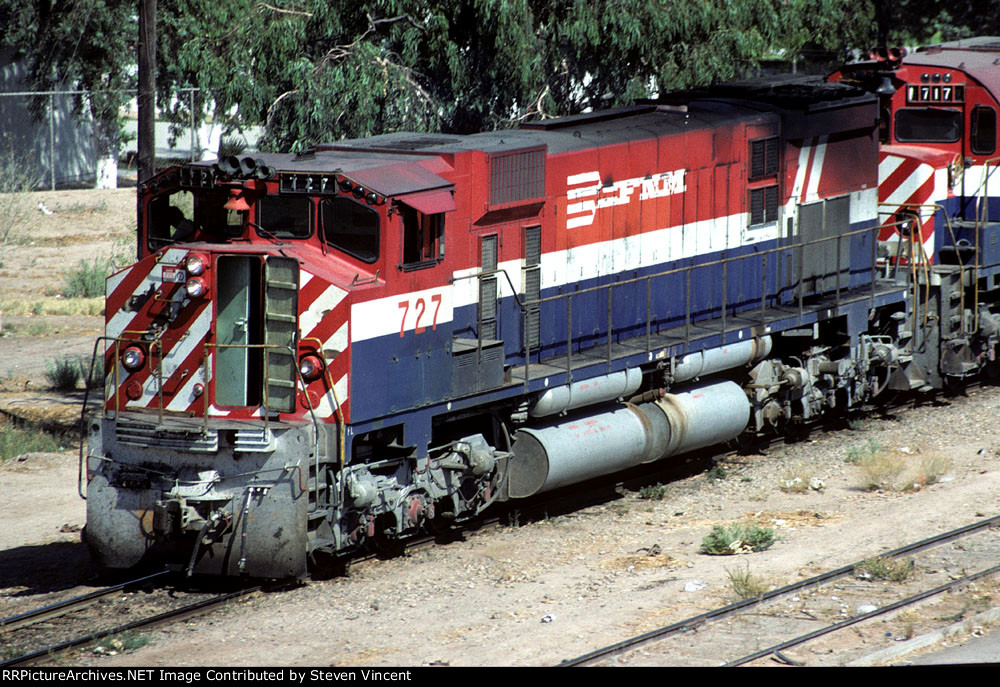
pixel 310 367
pixel 133 358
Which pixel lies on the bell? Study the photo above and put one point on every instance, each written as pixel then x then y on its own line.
pixel 236 201
pixel 885 86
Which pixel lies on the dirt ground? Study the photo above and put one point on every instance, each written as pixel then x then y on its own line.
pixel 532 595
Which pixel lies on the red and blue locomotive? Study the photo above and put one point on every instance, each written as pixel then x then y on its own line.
pixel 938 193
pixel 323 351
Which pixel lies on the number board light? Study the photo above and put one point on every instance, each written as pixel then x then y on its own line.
pixel 197 176
pixel 936 93
pixel 307 183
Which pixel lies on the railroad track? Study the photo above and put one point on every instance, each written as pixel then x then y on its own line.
pixel 563 501
pixel 39 635
pixel 651 648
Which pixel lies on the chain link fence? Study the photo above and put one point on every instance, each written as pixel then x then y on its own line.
pixel 45 134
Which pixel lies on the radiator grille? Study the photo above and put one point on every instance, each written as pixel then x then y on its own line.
pixel 149 436
pixel 517 177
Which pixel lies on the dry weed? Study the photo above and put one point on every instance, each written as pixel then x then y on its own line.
pixel 903 469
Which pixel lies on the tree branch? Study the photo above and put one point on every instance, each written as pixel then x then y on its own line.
pixel 265 6
pixel 534 109
pixel 273 107
pixel 339 52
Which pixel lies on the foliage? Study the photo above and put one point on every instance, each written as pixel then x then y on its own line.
pixel 654 493
pixel 63 374
pixel 717 473
pixel 737 538
pixel 883 568
pixel 82 45
pixel 918 22
pixel 121 643
pixel 17 180
pixel 856 454
pixel 86 280
pixel 314 70
pixel 745 584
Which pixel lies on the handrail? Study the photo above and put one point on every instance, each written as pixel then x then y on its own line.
pixel 342 440
pixel 983 209
pixel 798 247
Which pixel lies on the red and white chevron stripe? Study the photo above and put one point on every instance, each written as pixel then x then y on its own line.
pixel 909 183
pixel 324 317
pixel 175 355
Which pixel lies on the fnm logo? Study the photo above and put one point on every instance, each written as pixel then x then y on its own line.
pixel 587 196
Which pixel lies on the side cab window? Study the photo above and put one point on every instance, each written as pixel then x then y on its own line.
pixel 422 216
pixel 423 238
pixel 170 219
pixel 351 227
pixel 983 130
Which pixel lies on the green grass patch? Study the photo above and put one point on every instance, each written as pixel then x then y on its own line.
pixel 717 473
pixel 654 493
pixel 16 441
pixel 885 569
pixel 121 643
pixel 90 307
pixel 858 454
pixel 66 374
pixel 745 584
pixel 86 280
pixel 63 374
pixel 737 538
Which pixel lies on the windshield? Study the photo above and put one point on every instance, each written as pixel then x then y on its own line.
pixel 926 125
pixel 284 217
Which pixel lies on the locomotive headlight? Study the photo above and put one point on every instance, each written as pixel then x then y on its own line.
pixel 195 265
pixel 133 358
pixel 196 287
pixel 310 367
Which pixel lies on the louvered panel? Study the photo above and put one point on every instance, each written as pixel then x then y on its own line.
pixel 488 332
pixel 756 206
pixel 757 157
pixel 488 298
pixel 770 203
pixel 517 177
pixel 764 158
pixel 771 163
pixel 532 284
pixel 488 256
pixel 533 324
pixel 532 246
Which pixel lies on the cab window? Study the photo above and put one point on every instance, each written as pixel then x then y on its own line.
pixel 983 130
pixel 351 227
pixel 284 217
pixel 171 219
pixel 423 237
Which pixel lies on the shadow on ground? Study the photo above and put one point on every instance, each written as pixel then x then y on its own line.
pixel 30 570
